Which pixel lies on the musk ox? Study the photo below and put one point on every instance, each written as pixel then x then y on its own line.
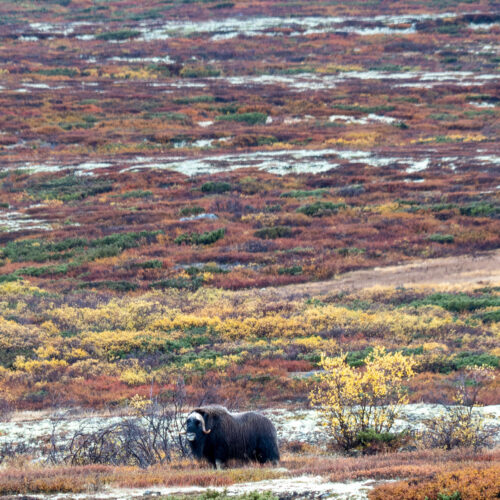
pixel 218 436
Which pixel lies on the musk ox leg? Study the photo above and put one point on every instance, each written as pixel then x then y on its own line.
pixel 219 464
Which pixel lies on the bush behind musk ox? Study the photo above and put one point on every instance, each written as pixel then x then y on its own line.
pixel 218 436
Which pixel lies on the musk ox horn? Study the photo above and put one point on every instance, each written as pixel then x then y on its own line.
pixel 203 428
pixel 199 417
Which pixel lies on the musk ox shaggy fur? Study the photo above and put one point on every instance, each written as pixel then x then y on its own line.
pixel 219 436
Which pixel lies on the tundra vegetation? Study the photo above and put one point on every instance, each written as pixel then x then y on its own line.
pixel 163 164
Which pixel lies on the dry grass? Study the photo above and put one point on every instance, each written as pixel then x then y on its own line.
pixel 472 483
pixel 75 479
pixel 418 464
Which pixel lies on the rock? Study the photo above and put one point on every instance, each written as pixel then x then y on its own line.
pixel 199 217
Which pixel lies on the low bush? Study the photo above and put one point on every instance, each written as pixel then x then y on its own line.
pixel 298 193
pixel 351 190
pixel 480 209
pixel 199 72
pixel 118 35
pixel 69 187
pixel 149 264
pixel 138 193
pixel 271 233
pixel 489 316
pixel 292 271
pixel 191 210
pixel 470 483
pixel 465 359
pixel 206 238
pixel 194 99
pixel 216 187
pixel 441 238
pixel 321 208
pixel 117 286
pixel 370 442
pixel 460 302
pixel 41 251
pixel 252 118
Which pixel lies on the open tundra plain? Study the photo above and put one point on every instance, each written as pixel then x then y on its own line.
pixel 201 198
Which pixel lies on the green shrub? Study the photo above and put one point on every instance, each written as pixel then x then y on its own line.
pixel 460 302
pixel 180 283
pixel 271 233
pixel 68 188
pixel 489 316
pixel 169 116
pixel 118 35
pixel 439 207
pixel 321 208
pixel 192 210
pixel 199 72
pixel 71 72
pixel 371 441
pixel 252 118
pixel 216 187
pixel 118 286
pixel 464 359
pixel 364 109
pixel 345 251
pixel 292 271
pixel 441 238
pixel 480 209
pixel 304 194
pixel 357 358
pixel 37 250
pixel 222 5
pixel 43 271
pixel 138 193
pixel 194 99
pixel 149 264
pixel 206 238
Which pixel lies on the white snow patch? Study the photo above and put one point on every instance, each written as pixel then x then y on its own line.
pixel 489 159
pixel 164 59
pixel 17 221
pixel 363 120
pixel 418 166
pixel 483 26
pixel 301 485
pixel 482 104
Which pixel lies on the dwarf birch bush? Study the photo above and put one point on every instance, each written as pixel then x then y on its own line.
pixel 461 424
pixel 353 401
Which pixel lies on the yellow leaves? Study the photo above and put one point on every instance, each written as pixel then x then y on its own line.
pixel 139 403
pixel 353 400
pixel 40 367
pixel 135 376
pixel 218 363
pixel 360 139
pixel 49 328
pixel 18 288
pixel 133 74
pixel 337 68
pixel 386 208
pixel 260 219
pixel 46 352
pixel 451 138
pixel 434 346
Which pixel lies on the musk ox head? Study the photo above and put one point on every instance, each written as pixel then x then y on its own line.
pixel 196 432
